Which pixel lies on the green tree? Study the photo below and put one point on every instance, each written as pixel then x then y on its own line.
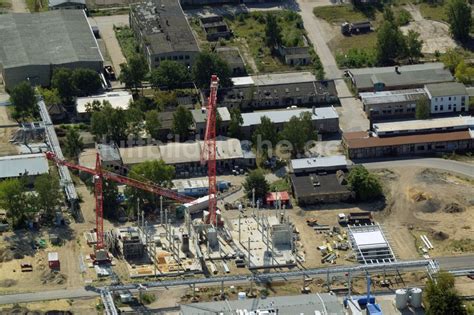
pixel 464 73
pixel 62 81
pixel 95 106
pixel 298 131
pixel 451 59
pixel 134 118
pixel 169 73
pixel 12 197
pixel 207 64
pixel 23 99
pixel 273 35
pixel 423 109
pixel 390 43
pixel 50 96
pixel 86 81
pixel 266 131
pixel 365 185
pixel 110 194
pixel 133 72
pixel 73 145
pixel 49 195
pixel 117 124
pixel 441 297
pixel 99 125
pixel 414 45
pixel 156 172
pixel 153 123
pixel 256 180
pixel 182 121
pixel 459 18
pixel 388 15
pixel 235 123
pixel 165 99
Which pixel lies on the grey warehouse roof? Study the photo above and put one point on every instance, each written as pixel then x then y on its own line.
pixel 319 162
pixel 281 116
pixel 53 3
pixel 18 165
pixel 54 37
pixel 309 304
pixel 395 96
pixel 446 89
pixel 164 26
pixel 407 75
pixel 200 116
pixel 275 79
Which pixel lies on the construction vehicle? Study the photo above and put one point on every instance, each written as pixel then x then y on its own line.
pixel 312 222
pixel 100 253
pixel 355 218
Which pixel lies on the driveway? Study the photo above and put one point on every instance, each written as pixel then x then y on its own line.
pixel 19 6
pixel 352 118
pixel 106 29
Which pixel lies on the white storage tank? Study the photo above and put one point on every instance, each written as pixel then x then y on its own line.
pixel 416 297
pixel 242 295
pixel 401 298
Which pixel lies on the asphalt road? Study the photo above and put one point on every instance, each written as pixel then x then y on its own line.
pixel 446 263
pixel 463 168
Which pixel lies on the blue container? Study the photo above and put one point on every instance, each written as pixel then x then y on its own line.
pixel 374 309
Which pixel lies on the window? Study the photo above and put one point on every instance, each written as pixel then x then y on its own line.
pixel 420 148
pixel 441 99
pixel 436 108
pixel 449 107
pixel 436 99
pixel 181 57
pixel 441 107
pixel 450 98
pixel 186 57
pixel 175 57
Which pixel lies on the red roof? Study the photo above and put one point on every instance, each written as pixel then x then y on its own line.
pixel 273 196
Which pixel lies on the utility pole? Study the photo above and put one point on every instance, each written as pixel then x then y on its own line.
pixel 253 201
pixel 161 210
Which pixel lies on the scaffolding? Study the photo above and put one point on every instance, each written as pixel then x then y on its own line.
pixel 53 142
pixel 373 251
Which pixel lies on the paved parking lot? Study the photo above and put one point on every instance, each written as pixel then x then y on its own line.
pixel 106 29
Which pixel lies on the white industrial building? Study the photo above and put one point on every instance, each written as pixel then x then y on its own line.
pixel 28 165
pixel 370 244
pixel 436 125
pixel 118 99
pixel 447 97
pixel 315 164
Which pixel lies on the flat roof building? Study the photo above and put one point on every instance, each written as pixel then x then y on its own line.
pixel 398 77
pixel 447 97
pixel 315 164
pixel 324 119
pixel 323 303
pixel 33 45
pixel 424 126
pixel 15 166
pixel 278 90
pixel 163 32
pixel 118 99
pixel 391 104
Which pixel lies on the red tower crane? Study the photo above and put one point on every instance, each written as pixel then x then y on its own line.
pixel 99 175
pixel 209 150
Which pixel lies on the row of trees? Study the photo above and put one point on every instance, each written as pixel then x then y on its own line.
pixel 454 61
pixel 21 205
pixel 172 74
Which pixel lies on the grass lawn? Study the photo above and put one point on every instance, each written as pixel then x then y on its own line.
pixel 127 41
pixel 339 14
pixel 42 5
pixel 5 4
pixel 365 41
pixel 433 12
pixel 280 185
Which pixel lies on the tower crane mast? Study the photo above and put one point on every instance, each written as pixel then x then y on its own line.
pixel 99 175
pixel 209 150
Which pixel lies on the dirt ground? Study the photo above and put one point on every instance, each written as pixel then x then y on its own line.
pixel 430 202
pixel 435 35
pixel 83 306
pixel 6 148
